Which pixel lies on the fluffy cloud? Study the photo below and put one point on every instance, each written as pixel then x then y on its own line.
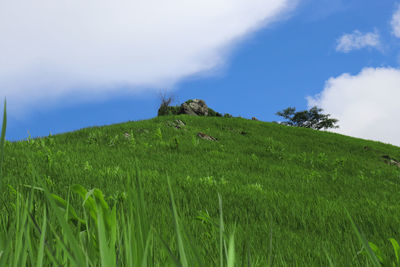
pixel 50 49
pixel 395 22
pixel 366 104
pixel 357 40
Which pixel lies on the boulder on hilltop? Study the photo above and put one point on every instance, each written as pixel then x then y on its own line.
pixel 194 107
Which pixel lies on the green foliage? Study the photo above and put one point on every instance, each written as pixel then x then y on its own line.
pixel 163 110
pixel 174 110
pixel 227 115
pixel 312 118
pixel 166 110
pixel 3 137
pixel 213 113
pixel 293 182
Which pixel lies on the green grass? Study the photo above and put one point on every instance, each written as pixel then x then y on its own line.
pixel 94 197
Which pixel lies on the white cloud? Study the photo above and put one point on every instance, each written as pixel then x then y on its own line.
pixel 50 49
pixel 357 40
pixel 395 22
pixel 366 104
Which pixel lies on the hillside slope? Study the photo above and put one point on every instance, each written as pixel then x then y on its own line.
pixel 293 181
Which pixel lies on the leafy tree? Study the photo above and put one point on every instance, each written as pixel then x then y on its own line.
pixel 312 118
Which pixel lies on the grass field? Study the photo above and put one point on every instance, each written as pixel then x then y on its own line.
pixel 100 197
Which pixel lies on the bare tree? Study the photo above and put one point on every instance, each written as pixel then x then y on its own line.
pixel 165 102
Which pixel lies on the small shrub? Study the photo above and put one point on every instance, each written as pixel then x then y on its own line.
pixel 165 109
pixel 213 113
pixel 227 115
pixel 174 110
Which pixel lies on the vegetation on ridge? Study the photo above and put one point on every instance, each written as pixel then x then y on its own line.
pixel 285 192
pixel 167 110
pixel 312 118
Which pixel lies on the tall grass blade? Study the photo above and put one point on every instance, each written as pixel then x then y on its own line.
pixel 4 256
pixel 329 258
pixel 364 242
pixel 62 251
pixel 248 256
pixel 51 256
pixel 181 248
pixel 191 242
pixel 146 250
pixel 20 230
pixel 28 241
pixel 141 219
pixel 143 232
pixel 2 138
pixel 127 243
pixel 221 231
pixel 231 251
pixel 172 256
pixel 396 249
pixel 107 254
pixel 270 256
pixel 77 257
pixel 30 248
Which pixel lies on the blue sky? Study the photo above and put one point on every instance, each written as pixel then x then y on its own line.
pixel 302 49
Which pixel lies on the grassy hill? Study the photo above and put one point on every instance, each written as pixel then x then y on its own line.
pixel 280 185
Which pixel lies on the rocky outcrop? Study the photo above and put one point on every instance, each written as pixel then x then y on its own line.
pixel 391 161
pixel 178 124
pixel 206 137
pixel 195 107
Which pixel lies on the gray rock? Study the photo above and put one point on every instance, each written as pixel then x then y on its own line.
pixel 196 107
pixel 391 161
pixel 178 124
pixel 206 137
